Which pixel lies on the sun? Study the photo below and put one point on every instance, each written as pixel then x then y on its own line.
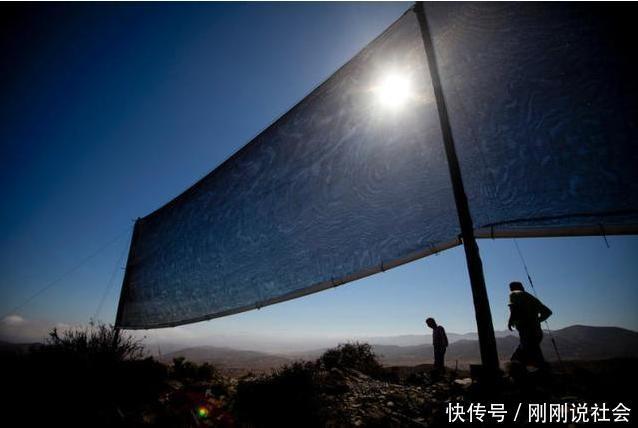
pixel 393 91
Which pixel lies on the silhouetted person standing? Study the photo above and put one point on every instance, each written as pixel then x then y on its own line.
pixel 526 314
pixel 439 343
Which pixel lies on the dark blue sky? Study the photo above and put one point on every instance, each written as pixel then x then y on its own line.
pixel 110 110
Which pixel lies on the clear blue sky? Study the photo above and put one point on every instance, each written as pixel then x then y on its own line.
pixel 108 111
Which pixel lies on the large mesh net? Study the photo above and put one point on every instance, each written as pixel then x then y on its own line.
pixel 353 180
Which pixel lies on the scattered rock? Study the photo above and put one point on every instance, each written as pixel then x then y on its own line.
pixel 464 382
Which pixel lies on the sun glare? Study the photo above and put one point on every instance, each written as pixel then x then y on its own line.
pixel 394 91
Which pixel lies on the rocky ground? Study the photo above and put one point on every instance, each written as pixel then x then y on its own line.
pixel 343 398
pixel 410 397
pixel 68 385
pixel 364 401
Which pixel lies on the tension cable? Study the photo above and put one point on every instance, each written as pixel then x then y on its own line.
pixel 110 282
pixel 65 274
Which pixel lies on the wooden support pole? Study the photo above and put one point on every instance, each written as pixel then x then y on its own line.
pixel 487 341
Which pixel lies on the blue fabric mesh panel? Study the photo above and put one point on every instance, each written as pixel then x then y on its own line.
pixel 543 106
pixel 339 187
pixel 543 101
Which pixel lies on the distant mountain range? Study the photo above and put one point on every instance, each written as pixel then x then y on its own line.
pixel 422 339
pixel 284 345
pixel 19 348
pixel 574 343
pixel 229 358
